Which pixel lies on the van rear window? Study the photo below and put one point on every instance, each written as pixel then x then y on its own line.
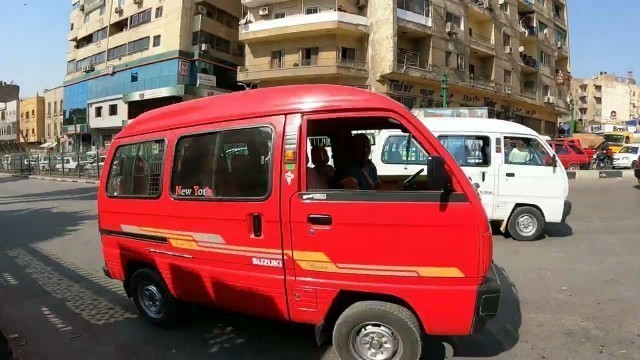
pixel 230 164
pixel 136 170
pixel 468 150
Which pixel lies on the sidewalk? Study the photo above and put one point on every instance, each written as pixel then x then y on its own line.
pixel 54 178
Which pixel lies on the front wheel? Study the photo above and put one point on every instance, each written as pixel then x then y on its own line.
pixel 526 224
pixel 574 167
pixel 154 300
pixel 376 330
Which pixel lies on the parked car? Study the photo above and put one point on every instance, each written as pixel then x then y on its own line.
pixel 626 157
pixel 69 164
pixel 571 156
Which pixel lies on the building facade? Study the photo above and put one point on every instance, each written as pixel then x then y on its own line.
pixel 53 117
pixel 129 56
pixel 606 99
pixel 508 55
pixel 9 113
pixel 32 111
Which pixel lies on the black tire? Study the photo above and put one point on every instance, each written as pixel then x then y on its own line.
pixel 574 167
pixel 170 312
pixel 380 316
pixel 5 348
pixel 633 164
pixel 536 219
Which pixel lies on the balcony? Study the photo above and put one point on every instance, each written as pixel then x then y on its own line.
pixel 203 22
pixel 504 88
pixel 481 82
pixel 413 16
pixel 563 50
pixel 528 34
pixel 528 64
pixel 597 93
pixel 296 26
pixel 530 94
pixel 526 5
pixel 480 8
pixel 258 3
pixel 483 44
pixel 408 66
pixel 306 68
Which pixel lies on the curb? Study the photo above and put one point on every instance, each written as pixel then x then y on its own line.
pixel 49 178
pixel 600 174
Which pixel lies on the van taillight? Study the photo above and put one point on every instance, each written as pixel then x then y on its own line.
pixel 486 258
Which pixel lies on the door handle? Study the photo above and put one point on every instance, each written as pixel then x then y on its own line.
pixel 484 175
pixel 256 222
pixel 511 175
pixel 325 220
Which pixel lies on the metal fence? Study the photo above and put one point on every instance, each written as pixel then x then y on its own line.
pixel 78 165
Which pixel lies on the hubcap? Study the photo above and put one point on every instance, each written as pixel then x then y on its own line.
pixel 151 300
pixel 374 341
pixel 526 224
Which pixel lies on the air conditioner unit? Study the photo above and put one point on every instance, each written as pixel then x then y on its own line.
pixel 201 10
pixel 118 10
pixel 137 2
pixel 205 47
pixel 88 68
pixel 361 3
pixel 508 50
pixel 560 44
pixel 263 11
pixel 451 28
pixel 549 100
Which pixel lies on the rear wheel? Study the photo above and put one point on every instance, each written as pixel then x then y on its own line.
pixel 376 330
pixel 633 164
pixel 574 167
pixel 154 300
pixel 526 224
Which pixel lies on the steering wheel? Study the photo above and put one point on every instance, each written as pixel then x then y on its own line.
pixel 413 177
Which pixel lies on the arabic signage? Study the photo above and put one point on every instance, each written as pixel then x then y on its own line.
pixel 206 80
pixel 154 93
pixel 90 5
pixel 604 128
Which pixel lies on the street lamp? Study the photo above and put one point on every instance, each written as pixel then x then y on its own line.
pixel 572 124
pixel 445 87
pixel 250 85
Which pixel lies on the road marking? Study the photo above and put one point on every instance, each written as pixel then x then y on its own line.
pixel 9 279
pixel 55 320
pixel 92 308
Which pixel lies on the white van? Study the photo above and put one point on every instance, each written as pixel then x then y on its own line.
pixel 519 179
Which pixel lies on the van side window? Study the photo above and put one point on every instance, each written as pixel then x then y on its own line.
pixel 468 150
pixel 525 151
pixel 223 164
pixel 394 151
pixel 136 170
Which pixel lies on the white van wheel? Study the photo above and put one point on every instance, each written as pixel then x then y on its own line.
pixel 526 224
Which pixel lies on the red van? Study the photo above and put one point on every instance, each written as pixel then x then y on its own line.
pixel 208 201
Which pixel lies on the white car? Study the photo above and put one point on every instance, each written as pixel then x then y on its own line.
pixel 69 164
pixel 626 157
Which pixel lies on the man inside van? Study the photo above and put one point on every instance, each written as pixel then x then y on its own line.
pixel 519 154
pixel 361 173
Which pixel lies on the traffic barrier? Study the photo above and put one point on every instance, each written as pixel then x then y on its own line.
pixel 599 174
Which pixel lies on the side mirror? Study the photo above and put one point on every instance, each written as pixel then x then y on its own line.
pixel 554 160
pixel 436 173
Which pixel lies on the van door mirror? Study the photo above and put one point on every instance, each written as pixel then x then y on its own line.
pixel 436 173
pixel 554 160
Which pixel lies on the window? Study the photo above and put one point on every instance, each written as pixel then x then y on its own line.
pixel 460 61
pixel 447 58
pixel 86 18
pixel 505 7
pixel 561 149
pixel 140 18
pixel 134 77
pixel 71 27
pixel 525 151
pixel 99 35
pixel 101 10
pixel 506 39
pixel 48 130
pixel 453 18
pixel 113 109
pixel 544 58
pixel 542 27
pixel 546 90
pixel 231 163
pixel 394 151
pixel 577 150
pixel 507 77
pixel 138 45
pixel 415 6
pixel 159 12
pixel 347 53
pixel 561 37
pixel 33 113
pixel 98 111
pixel 55 108
pixel 468 150
pixel 156 41
pixel 279 14
pixel 71 66
pixel 136 170
pixel 309 56
pixel 48 109
pixel 558 10
pixel 98 58
pixel 277 59
pixel 311 10
pixel 117 52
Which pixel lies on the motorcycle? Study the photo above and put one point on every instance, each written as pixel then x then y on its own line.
pixel 602 160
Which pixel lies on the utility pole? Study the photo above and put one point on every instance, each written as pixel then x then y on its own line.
pixel 572 124
pixel 445 87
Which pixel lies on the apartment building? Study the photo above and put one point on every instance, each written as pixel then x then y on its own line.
pixel 509 55
pixel 606 99
pixel 9 110
pixel 53 118
pixel 130 56
pixel 31 132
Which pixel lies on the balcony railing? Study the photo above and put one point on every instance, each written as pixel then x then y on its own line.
pixel 481 81
pixel 529 93
pixel 278 64
pixel 530 61
pixel 484 40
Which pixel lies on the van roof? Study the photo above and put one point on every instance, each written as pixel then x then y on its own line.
pixel 259 102
pixel 442 124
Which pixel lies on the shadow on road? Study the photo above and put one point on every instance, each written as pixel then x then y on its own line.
pixel 502 333
pixel 83 193
pixel 10 179
pixel 558 230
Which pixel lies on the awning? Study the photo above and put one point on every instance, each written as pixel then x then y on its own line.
pixel 46 145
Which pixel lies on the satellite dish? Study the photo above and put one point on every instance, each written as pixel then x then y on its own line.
pixel 521 48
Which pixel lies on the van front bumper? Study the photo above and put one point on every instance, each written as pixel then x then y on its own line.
pixel 566 211
pixel 488 300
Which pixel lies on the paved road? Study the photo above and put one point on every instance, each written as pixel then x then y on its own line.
pixel 575 294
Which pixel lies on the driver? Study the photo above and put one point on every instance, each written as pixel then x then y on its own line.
pixel 361 170
pixel 519 154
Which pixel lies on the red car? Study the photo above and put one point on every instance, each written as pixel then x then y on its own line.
pixel 210 201
pixel 571 156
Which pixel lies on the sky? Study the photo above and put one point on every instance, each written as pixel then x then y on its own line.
pixel 33 40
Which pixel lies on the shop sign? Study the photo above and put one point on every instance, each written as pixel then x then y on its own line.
pixel 183 67
pixel 206 80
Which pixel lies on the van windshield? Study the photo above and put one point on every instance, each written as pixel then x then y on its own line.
pixel 614 138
